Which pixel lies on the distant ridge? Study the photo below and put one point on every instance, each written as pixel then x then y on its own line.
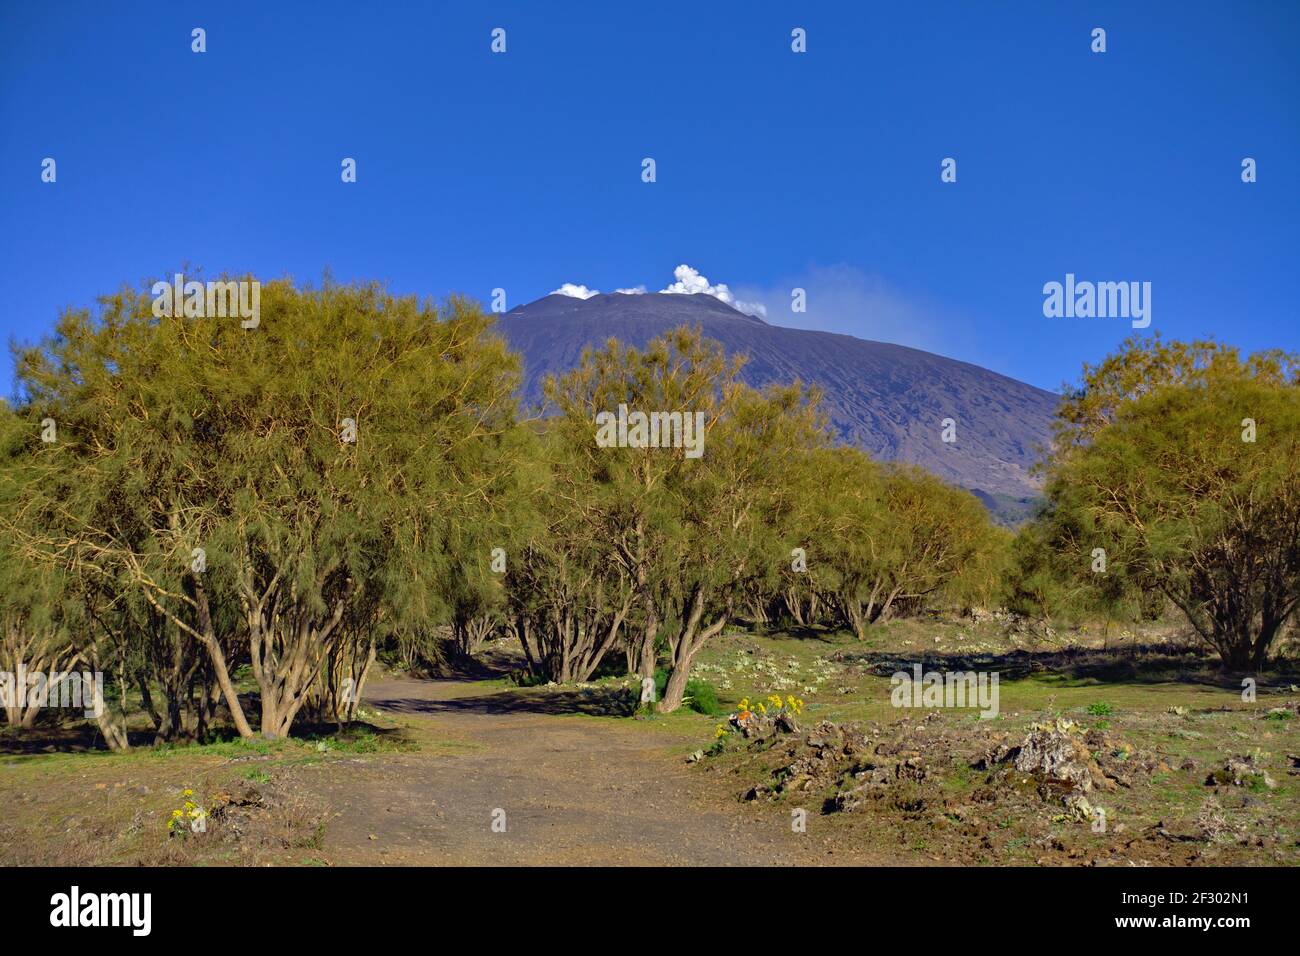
pixel 887 399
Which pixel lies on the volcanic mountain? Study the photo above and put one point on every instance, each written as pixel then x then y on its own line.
pixel 889 400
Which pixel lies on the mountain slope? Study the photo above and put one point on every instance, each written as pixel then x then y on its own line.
pixel 887 399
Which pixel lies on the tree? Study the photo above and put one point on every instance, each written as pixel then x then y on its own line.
pixel 891 534
pixel 270 491
pixel 732 510
pixel 1183 475
pixel 621 497
pixel 37 622
pixel 680 531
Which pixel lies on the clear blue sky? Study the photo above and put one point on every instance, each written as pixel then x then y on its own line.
pixel 775 169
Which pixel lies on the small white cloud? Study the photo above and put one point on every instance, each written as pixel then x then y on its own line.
pixel 576 291
pixel 690 282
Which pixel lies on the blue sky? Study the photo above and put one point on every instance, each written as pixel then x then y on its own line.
pixel 774 169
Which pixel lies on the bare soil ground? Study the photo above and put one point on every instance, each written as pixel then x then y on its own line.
pixel 573 790
pixel 570 788
pixel 575 779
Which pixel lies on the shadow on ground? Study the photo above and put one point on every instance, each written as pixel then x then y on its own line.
pixel 592 702
pixel 1139 664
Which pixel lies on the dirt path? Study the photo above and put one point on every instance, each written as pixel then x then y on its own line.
pixel 574 791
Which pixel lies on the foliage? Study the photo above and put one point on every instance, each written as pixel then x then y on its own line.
pixel 204 480
pixel 1179 467
pixel 352 475
pixel 700 696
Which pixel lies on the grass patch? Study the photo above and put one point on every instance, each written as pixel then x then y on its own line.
pixel 700 696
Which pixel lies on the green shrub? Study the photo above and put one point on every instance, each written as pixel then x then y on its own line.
pixel 701 696
pixel 523 678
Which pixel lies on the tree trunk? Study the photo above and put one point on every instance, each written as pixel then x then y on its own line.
pixel 114 735
pixel 217 656
pixel 645 645
pixel 684 648
pixel 675 690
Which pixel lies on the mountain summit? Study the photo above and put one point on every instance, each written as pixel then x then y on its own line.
pixel 889 400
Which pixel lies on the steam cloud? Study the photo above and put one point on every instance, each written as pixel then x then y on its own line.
pixel 689 282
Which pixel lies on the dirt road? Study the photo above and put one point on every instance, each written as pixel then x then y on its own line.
pixel 571 790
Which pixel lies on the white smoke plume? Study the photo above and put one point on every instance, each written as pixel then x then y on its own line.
pixel 689 282
pixel 576 291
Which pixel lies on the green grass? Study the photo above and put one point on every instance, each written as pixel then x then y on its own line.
pixel 700 695
pixel 1201 718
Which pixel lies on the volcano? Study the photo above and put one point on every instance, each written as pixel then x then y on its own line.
pixel 889 400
